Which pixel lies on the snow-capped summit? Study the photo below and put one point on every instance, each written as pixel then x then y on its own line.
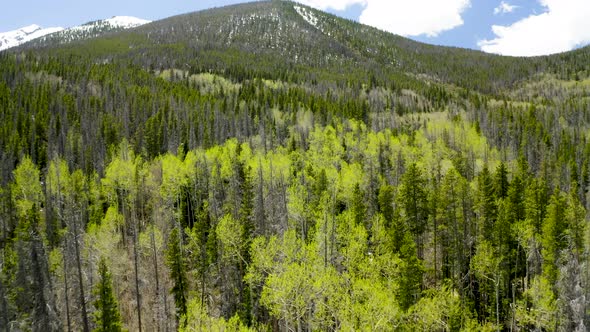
pixel 115 22
pixel 95 28
pixel 126 21
pixel 20 36
pixel 60 35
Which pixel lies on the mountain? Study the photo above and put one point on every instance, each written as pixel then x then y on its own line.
pixel 20 36
pixel 279 37
pixel 39 36
pixel 271 167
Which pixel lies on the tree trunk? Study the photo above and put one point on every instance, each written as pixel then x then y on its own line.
pixel 86 327
pixel 156 274
pixel 135 258
pixel 3 309
pixel 66 285
pixel 497 286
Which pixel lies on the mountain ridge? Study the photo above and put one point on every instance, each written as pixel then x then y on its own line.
pixel 277 33
pixel 36 34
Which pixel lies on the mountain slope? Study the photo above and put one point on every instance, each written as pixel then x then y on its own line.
pixel 20 36
pixel 279 38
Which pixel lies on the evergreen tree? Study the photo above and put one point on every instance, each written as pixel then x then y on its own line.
pixel 516 193
pixel 452 225
pixel 411 271
pixel 487 203
pixel 553 239
pixel 535 203
pixel 414 199
pixel 501 184
pixel 247 221
pixel 385 199
pixel 106 317
pixel 576 223
pixel 359 208
pixel 176 263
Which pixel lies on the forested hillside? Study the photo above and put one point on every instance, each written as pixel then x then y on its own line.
pixel 270 167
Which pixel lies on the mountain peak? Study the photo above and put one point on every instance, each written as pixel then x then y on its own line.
pixel 20 36
pixel 126 21
pixel 115 22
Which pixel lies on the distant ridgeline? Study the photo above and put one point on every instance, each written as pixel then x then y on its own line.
pixel 268 166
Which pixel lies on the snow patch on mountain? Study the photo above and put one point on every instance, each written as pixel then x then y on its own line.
pixel 115 22
pixel 309 17
pixel 20 36
pixel 126 21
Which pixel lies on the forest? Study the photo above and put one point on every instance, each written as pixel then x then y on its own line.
pixel 230 194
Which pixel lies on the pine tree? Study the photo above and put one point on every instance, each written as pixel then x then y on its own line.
pixel 575 221
pixel 414 199
pixel 501 181
pixel 452 224
pixel 536 199
pixel 177 266
pixel 106 317
pixel 553 239
pixel 487 203
pixel 246 204
pixel 516 193
pixel 411 270
pixel 359 209
pixel 386 204
pixel 246 219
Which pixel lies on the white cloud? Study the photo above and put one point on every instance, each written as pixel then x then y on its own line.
pixel 504 8
pixel 404 17
pixel 563 26
pixel 416 17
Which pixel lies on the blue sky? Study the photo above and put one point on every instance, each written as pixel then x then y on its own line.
pixel 512 27
pixel 478 20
